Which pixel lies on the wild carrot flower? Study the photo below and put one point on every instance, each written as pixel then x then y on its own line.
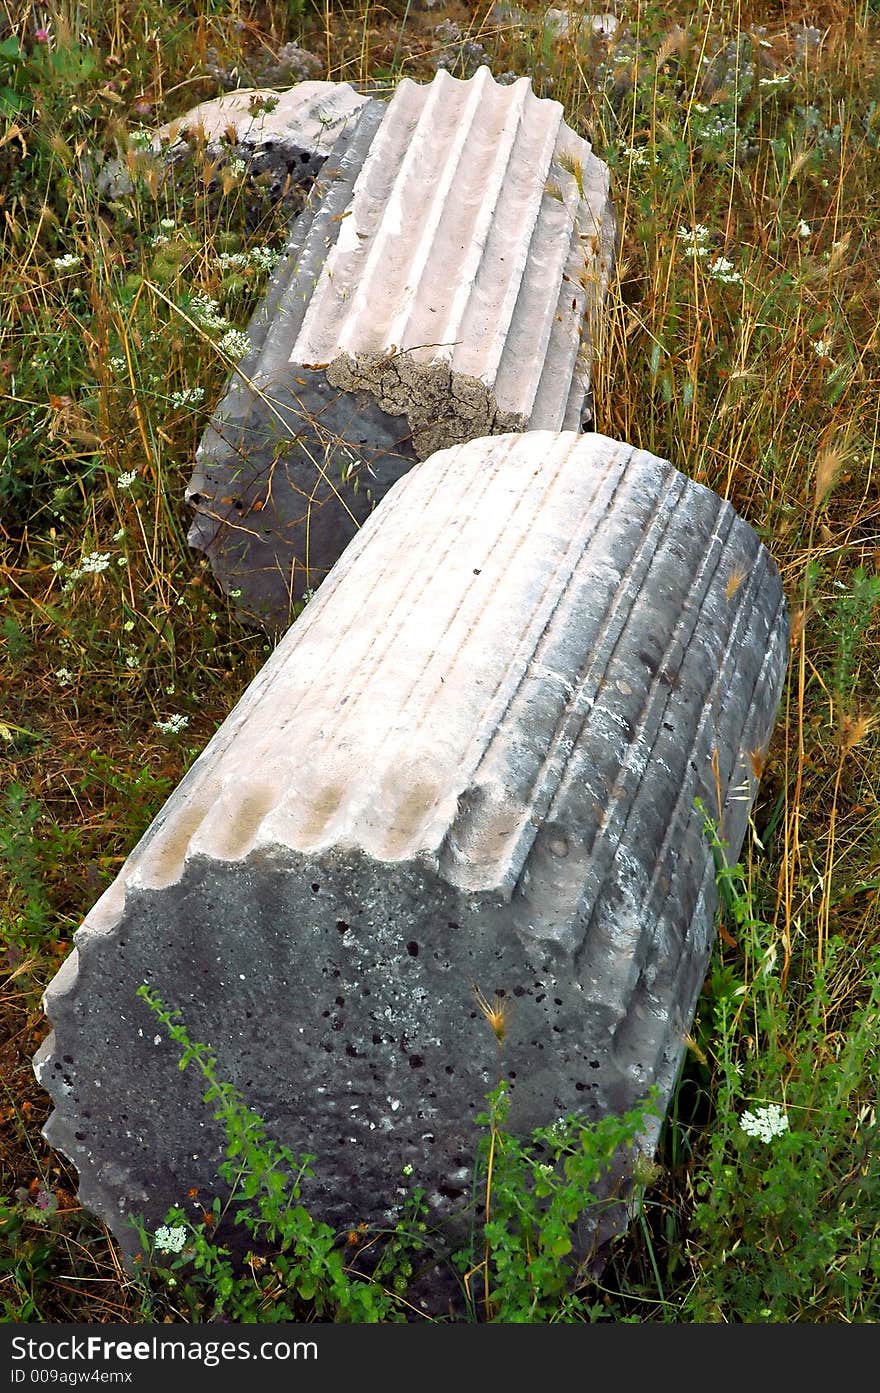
pixel 765 1123
pixel 723 270
pixel 168 1239
pixel 189 396
pixel 206 312
pixel 173 725
pixel 234 344
pixel 696 238
pixel 91 565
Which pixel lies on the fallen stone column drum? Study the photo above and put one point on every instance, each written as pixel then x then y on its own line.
pixel 472 762
pixel 443 283
pixel 282 138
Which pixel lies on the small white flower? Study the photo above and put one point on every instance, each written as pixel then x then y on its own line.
pixel 126 479
pixel 167 224
pixel 723 270
pixel 822 348
pixel 91 565
pixel 169 1240
pixel 696 239
pixel 132 661
pixel 67 263
pixel 804 229
pixel 128 625
pixel 206 312
pixel 237 168
pixel 64 677
pixel 235 344
pixel 140 140
pixel 233 261
pixel 407 1170
pixel 118 366
pixel 189 396
pixel 173 725
pixel 57 566
pixel 264 258
pixel 778 80
pixel 765 1123
pixel 638 155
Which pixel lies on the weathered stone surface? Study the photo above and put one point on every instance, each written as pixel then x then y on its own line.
pixel 445 285
pixel 473 761
pixel 289 467
pixel 303 123
pixel 283 138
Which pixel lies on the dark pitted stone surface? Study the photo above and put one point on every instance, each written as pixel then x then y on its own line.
pixel 472 762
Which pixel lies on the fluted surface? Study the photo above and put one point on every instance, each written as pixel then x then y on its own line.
pixel 445 283
pixel 474 760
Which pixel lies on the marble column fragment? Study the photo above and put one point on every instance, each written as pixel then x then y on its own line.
pixel 444 283
pixel 473 763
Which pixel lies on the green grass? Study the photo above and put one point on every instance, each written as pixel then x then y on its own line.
pixel 740 341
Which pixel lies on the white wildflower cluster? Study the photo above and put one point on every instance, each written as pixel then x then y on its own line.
pixel 639 156
pixel 264 258
pixel 94 563
pixel 117 366
pixel 558 1130
pixel 91 565
pixel 234 344
pixel 161 238
pixel 777 80
pixel 168 1239
pixel 764 1123
pixel 822 348
pixel 206 312
pixel 237 168
pixel 140 139
pixel 173 725
pixel 64 677
pixel 261 258
pixel 804 229
pixel 125 480
pixel 723 270
pixel 67 263
pixel 696 240
pixel 189 396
